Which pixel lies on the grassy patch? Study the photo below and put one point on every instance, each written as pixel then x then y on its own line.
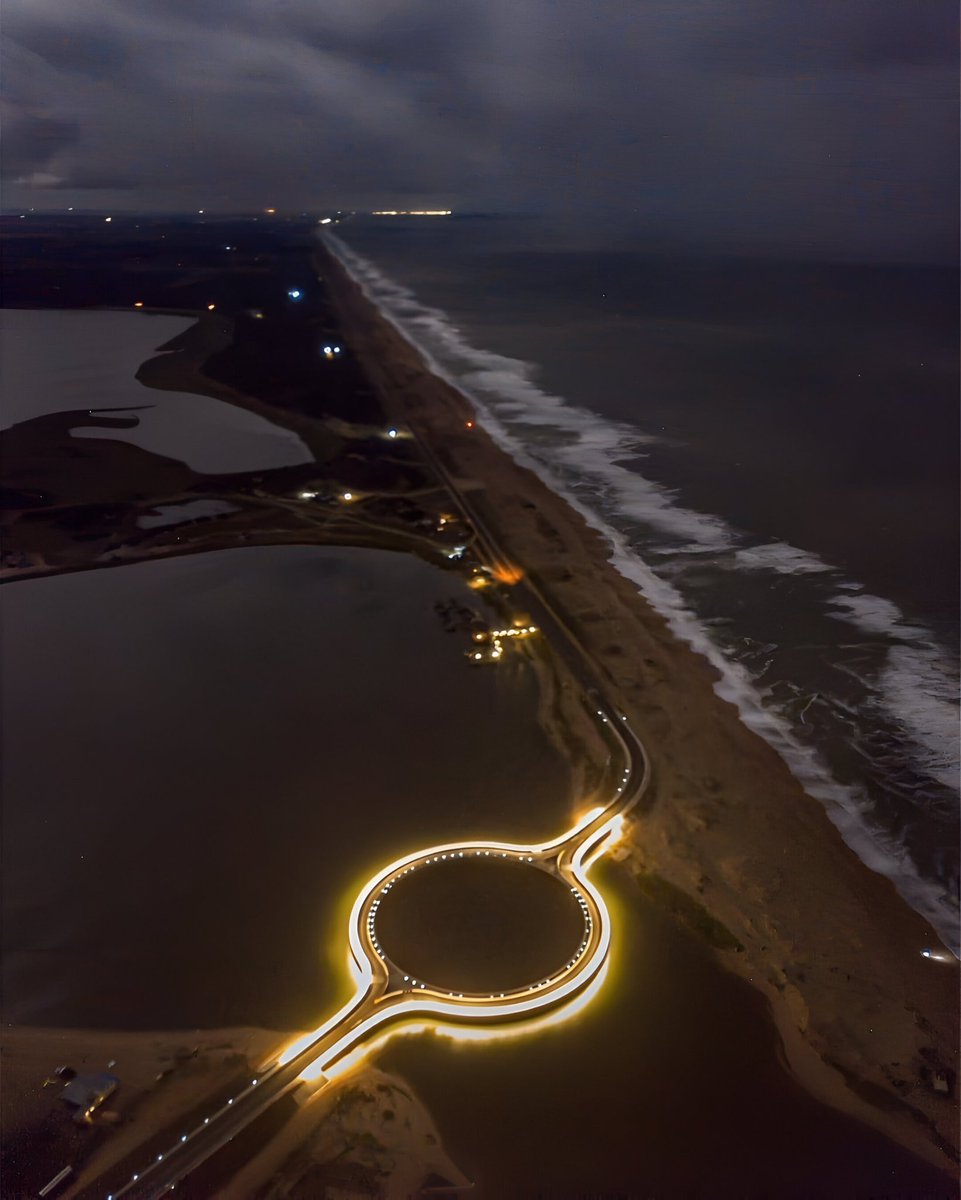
pixel 687 910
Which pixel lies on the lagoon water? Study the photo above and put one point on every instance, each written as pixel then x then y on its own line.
pixel 204 757
pixel 67 361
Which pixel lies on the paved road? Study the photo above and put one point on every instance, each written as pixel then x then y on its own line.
pixel 384 994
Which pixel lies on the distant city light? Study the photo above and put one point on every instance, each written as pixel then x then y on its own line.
pixel 138 304
pixel 270 211
pixel 391 433
pixel 348 495
pixel 411 212
pixel 307 495
pixel 331 351
pixel 200 212
pixel 211 307
pixel 294 293
pixel 108 219
pixel 325 220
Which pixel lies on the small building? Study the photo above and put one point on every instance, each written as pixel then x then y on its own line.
pixel 85 1093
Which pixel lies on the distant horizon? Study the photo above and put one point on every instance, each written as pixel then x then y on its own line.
pixel 631 236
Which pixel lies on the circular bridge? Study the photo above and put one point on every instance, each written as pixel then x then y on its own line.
pixel 501 934
pixel 533 901
pixel 481 923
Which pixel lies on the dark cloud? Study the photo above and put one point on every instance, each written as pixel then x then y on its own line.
pixel 93 181
pixel 760 37
pixel 101 56
pixel 31 140
pixel 820 127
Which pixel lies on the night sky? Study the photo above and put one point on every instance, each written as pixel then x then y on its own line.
pixel 809 125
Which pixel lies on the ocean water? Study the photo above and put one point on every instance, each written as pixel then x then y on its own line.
pixel 771 450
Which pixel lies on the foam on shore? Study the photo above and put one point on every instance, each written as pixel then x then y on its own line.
pixel 581 457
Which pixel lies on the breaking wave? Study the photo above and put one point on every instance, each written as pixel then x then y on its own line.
pixel 593 463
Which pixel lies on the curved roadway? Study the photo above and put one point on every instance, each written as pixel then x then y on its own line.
pixel 384 995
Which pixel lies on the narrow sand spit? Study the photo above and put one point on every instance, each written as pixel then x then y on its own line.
pixel 729 840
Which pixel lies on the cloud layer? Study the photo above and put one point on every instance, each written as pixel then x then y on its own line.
pixel 820 127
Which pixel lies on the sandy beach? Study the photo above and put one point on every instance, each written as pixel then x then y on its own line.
pixel 728 845
pixel 866 1021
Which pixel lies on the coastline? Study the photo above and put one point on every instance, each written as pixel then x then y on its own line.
pixel 689 851
pixel 865 1020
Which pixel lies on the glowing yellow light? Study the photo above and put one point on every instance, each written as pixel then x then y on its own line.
pixel 360 1027
pixel 348 496
pixel 429 1004
pixel 374 1009
pixel 211 307
pixel 508 574
pixel 138 304
pixel 270 211
pixel 461 1033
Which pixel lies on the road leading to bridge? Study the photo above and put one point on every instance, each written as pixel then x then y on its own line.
pixel 386 997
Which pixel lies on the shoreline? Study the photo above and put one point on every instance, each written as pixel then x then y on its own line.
pixel 864 1019
pixel 693 844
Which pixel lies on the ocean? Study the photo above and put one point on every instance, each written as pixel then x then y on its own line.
pixel 771 450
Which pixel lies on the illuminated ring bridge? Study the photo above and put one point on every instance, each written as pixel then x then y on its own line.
pixel 385 1001
pixel 474 851
pixel 385 995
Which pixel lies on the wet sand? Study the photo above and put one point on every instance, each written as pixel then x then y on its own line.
pixel 865 1019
